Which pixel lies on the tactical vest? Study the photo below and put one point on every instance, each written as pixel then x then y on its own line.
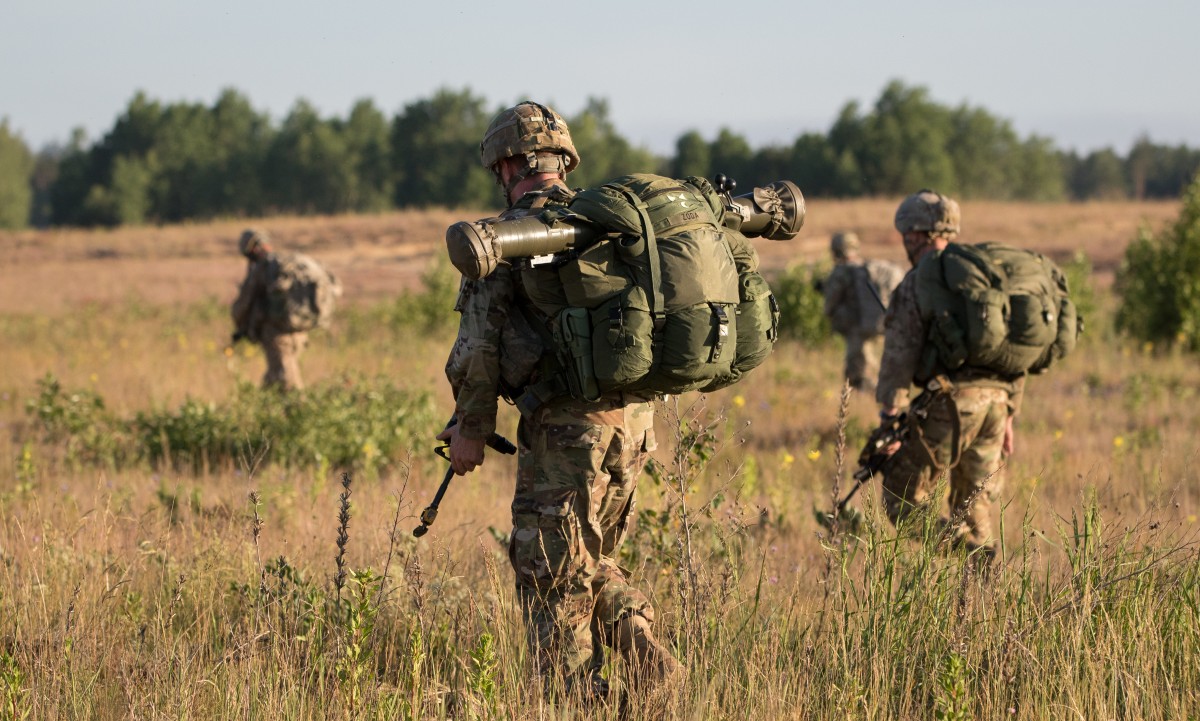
pixel 301 293
pixel 668 300
pixel 995 308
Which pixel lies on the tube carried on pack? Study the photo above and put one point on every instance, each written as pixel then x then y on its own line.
pixel 646 282
pixel 774 211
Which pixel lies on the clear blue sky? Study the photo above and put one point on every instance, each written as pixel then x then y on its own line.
pixel 1087 74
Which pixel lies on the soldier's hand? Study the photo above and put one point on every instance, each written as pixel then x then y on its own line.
pixel 886 418
pixel 1010 441
pixel 466 454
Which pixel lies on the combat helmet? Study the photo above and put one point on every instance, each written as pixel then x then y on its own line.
pixel 532 131
pixel 252 239
pixel 844 245
pixel 928 211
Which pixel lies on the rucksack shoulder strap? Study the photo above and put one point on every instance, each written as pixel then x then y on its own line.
pixel 657 304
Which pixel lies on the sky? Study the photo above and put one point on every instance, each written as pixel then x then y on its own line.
pixel 1088 75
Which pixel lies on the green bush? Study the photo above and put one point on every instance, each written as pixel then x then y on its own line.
pixel 427 310
pixel 1159 281
pixel 801 304
pixel 351 423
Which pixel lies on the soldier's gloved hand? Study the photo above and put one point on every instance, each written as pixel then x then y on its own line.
pixel 887 418
pixel 466 454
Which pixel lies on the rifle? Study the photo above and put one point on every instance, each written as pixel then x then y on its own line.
pixel 874 454
pixel 496 441
pixel 893 429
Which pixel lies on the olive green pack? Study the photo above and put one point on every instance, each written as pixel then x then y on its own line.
pixel 301 293
pixel 996 308
pixel 667 301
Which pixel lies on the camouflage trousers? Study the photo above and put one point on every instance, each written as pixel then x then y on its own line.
pixel 963 433
pixel 283 359
pixel 577 472
pixel 862 360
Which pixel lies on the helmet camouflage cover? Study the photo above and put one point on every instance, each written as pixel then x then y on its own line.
pixel 252 239
pixel 844 244
pixel 928 211
pixel 524 130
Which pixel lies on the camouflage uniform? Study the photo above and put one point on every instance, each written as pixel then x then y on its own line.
pixel 577 468
pixel 959 429
pixel 282 348
pixel 843 291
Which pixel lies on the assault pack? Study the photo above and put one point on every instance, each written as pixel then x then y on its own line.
pixel 301 293
pixel 994 307
pixel 874 282
pixel 647 284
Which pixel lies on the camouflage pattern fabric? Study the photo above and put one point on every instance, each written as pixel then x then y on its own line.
pixel 283 359
pixel 862 359
pixel 577 474
pixel 903 345
pixel 962 432
pixel 841 300
pixel 844 299
pixel 281 349
pixel 577 470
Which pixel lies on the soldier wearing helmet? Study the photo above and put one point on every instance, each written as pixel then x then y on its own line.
pixel 578 462
pixel 964 426
pixel 856 293
pixel 265 316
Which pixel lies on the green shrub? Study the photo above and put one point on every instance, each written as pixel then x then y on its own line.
pixel 801 304
pixel 352 423
pixel 428 310
pixel 1159 281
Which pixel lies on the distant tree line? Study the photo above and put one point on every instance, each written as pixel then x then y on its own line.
pixel 172 162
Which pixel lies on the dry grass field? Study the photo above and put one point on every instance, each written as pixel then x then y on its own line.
pixel 169 588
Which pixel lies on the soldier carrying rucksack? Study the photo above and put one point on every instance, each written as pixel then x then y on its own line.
pixel 966 326
pixel 283 296
pixel 857 293
pixel 581 307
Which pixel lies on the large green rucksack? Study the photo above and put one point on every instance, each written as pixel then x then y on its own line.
pixel 667 301
pixel 996 308
pixel 301 293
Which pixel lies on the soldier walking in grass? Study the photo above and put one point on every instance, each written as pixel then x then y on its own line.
pixel 964 425
pixel 857 293
pixel 283 296
pixel 578 462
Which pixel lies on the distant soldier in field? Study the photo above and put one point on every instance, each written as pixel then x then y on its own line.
pixel 962 420
pixel 283 296
pixel 578 462
pixel 857 293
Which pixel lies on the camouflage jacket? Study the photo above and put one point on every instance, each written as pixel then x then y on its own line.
pixel 841 299
pixel 497 351
pixel 904 357
pixel 249 308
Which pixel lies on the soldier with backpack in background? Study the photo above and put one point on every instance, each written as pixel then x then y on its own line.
pixel 966 325
pixel 857 293
pixel 283 296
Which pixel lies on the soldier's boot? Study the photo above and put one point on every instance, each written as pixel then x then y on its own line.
pixel 651 664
